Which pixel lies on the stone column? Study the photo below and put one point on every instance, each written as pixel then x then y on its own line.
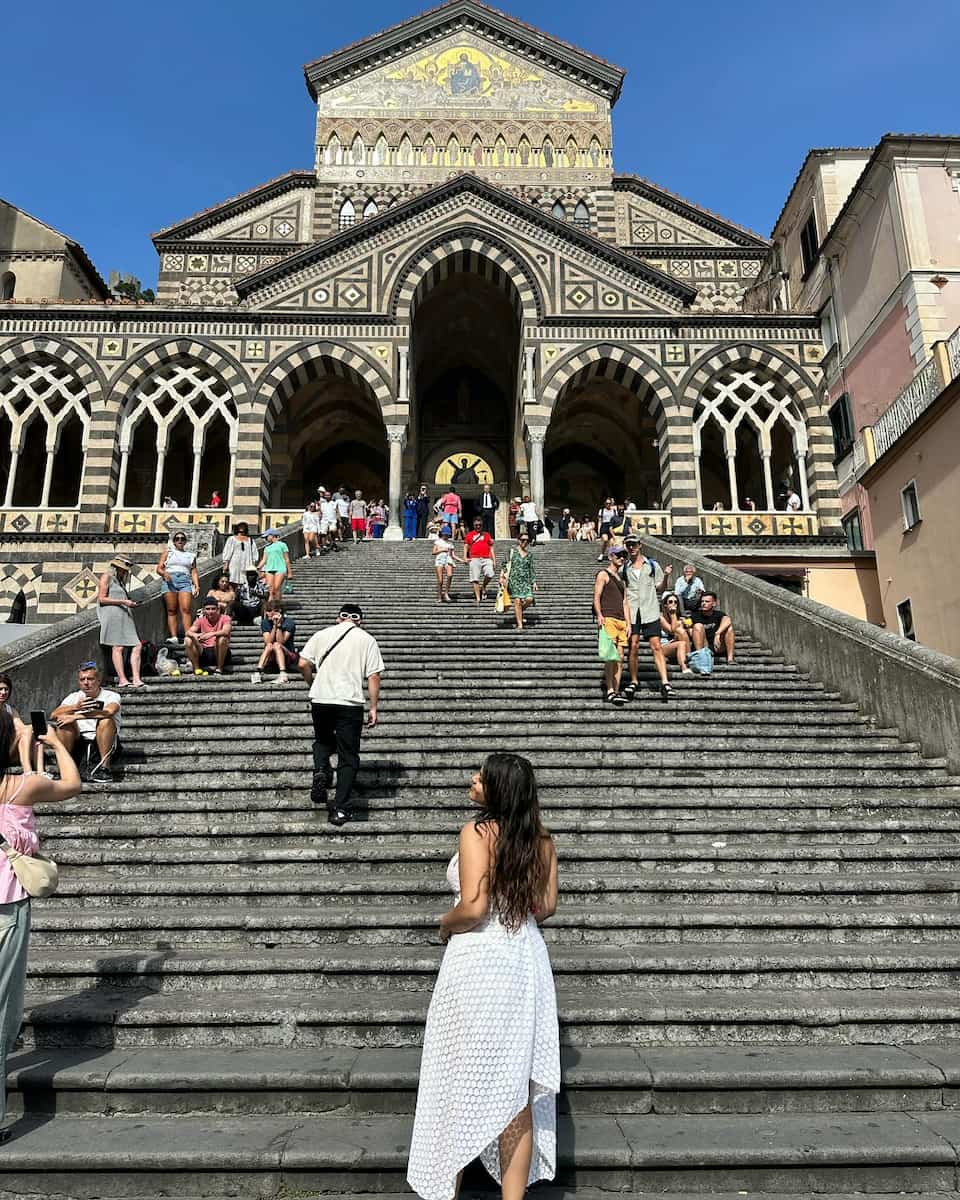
pixel 768 482
pixel 732 474
pixel 535 438
pixel 804 490
pixel 397 438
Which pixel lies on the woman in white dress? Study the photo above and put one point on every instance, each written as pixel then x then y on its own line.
pixel 490 1071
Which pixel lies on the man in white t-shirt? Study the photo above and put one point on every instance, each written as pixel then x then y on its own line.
pixel 329 523
pixel 89 720
pixel 794 503
pixel 335 662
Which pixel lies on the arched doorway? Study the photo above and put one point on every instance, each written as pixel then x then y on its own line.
pixel 602 441
pixel 328 430
pixel 465 342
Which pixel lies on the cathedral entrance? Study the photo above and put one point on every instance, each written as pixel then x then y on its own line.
pixel 328 431
pixel 602 441
pixel 466 351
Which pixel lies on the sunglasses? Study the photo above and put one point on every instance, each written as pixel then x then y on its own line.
pixel 350 616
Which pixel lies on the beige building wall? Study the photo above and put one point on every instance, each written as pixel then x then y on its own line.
pixel 37 278
pixel 852 588
pixel 922 564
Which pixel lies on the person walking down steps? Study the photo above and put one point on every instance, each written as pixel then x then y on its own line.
pixel 490 1070
pixel 335 662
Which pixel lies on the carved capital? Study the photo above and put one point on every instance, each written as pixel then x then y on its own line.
pixel 536 434
pixel 397 433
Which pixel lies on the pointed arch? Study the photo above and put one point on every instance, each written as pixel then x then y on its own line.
pixel 381 151
pixel 357 149
pixel 429 151
pixel 762 380
pixel 523 152
pixel 347 215
pixel 559 211
pixel 570 151
pixel 370 209
pixel 500 151
pixel 453 151
pixel 546 153
pixel 476 151
pixel 595 152
pixel 465 249
pixel 405 151
pixel 581 215
pixel 333 156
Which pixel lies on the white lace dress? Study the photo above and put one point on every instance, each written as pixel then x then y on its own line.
pixel 491 1046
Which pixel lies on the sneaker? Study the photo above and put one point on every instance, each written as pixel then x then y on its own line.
pixel 256 677
pixel 172 641
pixel 101 775
pixel 338 817
pixel 319 787
pixel 282 677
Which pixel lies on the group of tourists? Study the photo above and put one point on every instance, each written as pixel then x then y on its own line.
pixel 632 604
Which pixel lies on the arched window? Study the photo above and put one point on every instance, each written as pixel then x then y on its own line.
pixel 429 150
pixel 405 151
pixel 8 285
pixel 381 151
pixel 594 152
pixel 750 441
pixel 178 437
pixel 44 424
pixel 453 151
pixel 348 215
pixel 500 151
pixel 356 150
pixel 571 151
pixel 581 216
pixel 559 211
pixel 334 154
pixel 370 208
pixel 547 152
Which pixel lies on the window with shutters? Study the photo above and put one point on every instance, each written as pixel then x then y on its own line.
pixel 809 243
pixel 841 422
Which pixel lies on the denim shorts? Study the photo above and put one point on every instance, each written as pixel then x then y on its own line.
pixel 178 583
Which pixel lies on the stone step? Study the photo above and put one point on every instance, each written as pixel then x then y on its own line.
pixel 863 805
pixel 250 1156
pixel 622 1080
pixel 119 1018
pixel 260 888
pixel 319 855
pixel 729 967
pixel 369 921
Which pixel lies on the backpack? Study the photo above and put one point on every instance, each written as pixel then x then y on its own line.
pixel 701 661
pixel 148 658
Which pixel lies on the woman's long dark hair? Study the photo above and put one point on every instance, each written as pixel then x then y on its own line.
pixel 7 736
pixel 518 874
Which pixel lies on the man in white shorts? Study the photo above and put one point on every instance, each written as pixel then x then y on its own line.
pixel 481 559
pixel 329 523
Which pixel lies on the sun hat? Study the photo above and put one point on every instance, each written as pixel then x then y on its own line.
pixel 121 561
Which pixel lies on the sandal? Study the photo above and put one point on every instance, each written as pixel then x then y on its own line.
pixel 630 690
pixel 666 691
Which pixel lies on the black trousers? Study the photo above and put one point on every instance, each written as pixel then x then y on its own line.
pixel 421 524
pixel 337 729
pixel 487 515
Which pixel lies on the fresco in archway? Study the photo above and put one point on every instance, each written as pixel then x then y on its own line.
pixel 464 469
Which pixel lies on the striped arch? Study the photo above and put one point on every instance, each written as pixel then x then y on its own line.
pixel 470 251
pixel 821 476
pixel 633 370
pixel 282 379
pixel 93 502
pixel 148 361
pixel 21 577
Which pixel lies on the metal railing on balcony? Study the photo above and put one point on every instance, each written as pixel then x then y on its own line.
pixel 953 353
pixel 915 398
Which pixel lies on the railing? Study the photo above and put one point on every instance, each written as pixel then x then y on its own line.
pixel 759 524
pixel 161 520
pixel 953 353
pixel 915 398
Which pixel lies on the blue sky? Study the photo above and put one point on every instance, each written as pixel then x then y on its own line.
pixel 119 118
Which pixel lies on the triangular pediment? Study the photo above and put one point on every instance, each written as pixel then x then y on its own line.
pixel 466 17
pixel 648 215
pixel 569 273
pixel 276 211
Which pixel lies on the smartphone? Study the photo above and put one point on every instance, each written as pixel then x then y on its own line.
pixel 39 722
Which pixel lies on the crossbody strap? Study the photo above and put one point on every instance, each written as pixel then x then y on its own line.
pixel 329 650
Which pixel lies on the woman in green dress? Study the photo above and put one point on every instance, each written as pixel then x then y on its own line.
pixel 519 577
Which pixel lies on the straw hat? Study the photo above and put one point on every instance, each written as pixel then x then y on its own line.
pixel 121 561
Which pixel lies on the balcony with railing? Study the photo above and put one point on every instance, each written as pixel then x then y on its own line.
pixel 939 370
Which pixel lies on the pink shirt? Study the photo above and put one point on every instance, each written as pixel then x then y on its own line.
pixel 19 826
pixel 450 503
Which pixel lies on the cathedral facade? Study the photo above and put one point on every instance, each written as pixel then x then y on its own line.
pixel 462 287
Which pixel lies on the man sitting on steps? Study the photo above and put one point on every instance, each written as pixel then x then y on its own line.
pixel 335 662
pixel 88 722
pixel 713 629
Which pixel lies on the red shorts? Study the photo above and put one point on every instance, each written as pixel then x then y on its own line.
pixel 358 524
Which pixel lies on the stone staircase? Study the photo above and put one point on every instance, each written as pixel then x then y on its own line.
pixel 756 948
